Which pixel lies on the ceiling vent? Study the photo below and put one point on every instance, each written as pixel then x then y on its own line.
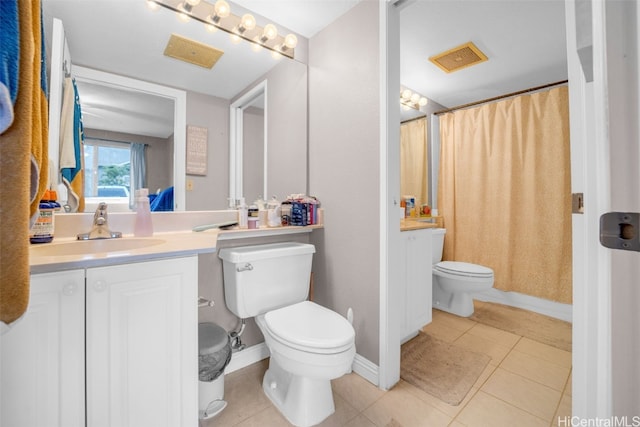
pixel 192 51
pixel 458 58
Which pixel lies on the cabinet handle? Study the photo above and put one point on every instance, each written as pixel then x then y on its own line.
pixel 100 285
pixel 69 289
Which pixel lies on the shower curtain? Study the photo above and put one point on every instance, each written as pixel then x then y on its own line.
pixel 413 159
pixel 504 191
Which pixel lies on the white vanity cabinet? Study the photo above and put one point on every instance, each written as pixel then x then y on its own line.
pixel 42 356
pixel 140 350
pixel 417 281
pixel 142 355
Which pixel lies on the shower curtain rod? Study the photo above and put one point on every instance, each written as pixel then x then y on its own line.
pixel 520 92
pixel 415 118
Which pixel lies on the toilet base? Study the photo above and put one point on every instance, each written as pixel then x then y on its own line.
pixel 303 401
pixel 458 303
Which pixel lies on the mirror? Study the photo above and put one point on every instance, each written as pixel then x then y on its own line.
pixel 248 177
pixel 164 149
pixel 208 92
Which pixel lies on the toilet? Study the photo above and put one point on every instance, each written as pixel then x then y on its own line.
pixel 310 345
pixel 455 282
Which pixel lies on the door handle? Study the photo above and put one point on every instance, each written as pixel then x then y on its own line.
pixel 619 230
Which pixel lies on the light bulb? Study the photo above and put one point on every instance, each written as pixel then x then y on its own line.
pixel 290 41
pixel 222 9
pixel 211 28
pixel 248 22
pixel 256 46
pixel 188 5
pixel 406 94
pixel 270 32
pixel 235 39
pixel 183 17
pixel 423 101
pixel 275 55
pixel 415 98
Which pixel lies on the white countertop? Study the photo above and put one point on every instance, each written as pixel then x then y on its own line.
pixel 54 256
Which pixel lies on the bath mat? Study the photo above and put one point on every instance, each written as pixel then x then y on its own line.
pixel 443 370
pixel 535 326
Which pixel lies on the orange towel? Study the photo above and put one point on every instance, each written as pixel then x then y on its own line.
pixel 23 167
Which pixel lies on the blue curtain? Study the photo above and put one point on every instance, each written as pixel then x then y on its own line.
pixel 138 170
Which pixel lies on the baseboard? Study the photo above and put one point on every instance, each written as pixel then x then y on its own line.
pixel 246 357
pixel 250 355
pixel 514 299
pixel 366 369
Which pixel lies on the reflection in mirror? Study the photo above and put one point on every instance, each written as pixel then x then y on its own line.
pixel 159 119
pixel 209 92
pixel 248 142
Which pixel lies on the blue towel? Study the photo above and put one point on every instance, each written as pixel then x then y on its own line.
pixel 9 60
pixel 72 140
pixel 163 201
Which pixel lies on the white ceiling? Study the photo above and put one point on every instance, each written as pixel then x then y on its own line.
pixel 524 40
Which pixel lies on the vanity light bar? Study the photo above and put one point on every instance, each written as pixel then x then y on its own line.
pixel 243 27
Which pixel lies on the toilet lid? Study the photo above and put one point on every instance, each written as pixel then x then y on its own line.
pixel 463 269
pixel 310 325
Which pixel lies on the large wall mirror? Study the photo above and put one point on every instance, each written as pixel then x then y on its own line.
pixel 160 118
pixel 131 59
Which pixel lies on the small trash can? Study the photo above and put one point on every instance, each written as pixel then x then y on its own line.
pixel 214 354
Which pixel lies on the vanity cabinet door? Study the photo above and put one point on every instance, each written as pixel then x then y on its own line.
pixel 418 291
pixel 142 355
pixel 42 356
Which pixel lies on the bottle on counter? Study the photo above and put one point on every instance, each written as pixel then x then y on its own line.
pixel 243 213
pixel 274 215
pixel 143 226
pixel 285 213
pixel 43 229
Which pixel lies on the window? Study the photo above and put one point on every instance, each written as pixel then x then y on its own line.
pixel 107 169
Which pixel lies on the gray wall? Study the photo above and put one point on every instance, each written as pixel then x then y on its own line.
pixel 344 172
pixel 287 130
pixel 210 191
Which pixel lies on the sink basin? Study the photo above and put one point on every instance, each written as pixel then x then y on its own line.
pixel 88 247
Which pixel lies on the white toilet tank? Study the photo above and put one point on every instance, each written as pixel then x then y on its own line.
pixel 437 244
pixel 261 278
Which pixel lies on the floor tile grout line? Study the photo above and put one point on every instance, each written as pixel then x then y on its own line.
pixel 517 407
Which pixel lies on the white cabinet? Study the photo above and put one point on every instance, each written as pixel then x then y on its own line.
pixel 42 356
pixel 140 350
pixel 142 355
pixel 416 283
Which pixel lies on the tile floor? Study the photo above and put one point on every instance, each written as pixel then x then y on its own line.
pixel 527 383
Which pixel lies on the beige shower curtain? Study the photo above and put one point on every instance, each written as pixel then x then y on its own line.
pixel 413 160
pixel 505 194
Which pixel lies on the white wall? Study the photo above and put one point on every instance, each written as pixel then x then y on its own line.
pixel 344 171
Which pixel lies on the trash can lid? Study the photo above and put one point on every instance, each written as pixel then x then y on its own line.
pixel 211 338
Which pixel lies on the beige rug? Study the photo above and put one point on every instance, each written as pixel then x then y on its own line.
pixel 443 370
pixel 538 327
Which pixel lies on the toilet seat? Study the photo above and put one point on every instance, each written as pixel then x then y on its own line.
pixel 464 269
pixel 310 327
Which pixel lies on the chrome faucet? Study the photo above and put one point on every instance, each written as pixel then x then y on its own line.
pixel 100 228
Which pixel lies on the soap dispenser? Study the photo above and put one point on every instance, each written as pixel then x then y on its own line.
pixel 143 226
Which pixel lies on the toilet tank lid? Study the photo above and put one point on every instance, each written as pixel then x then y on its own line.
pixel 270 250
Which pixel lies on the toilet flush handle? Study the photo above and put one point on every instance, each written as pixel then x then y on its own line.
pixel 245 267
